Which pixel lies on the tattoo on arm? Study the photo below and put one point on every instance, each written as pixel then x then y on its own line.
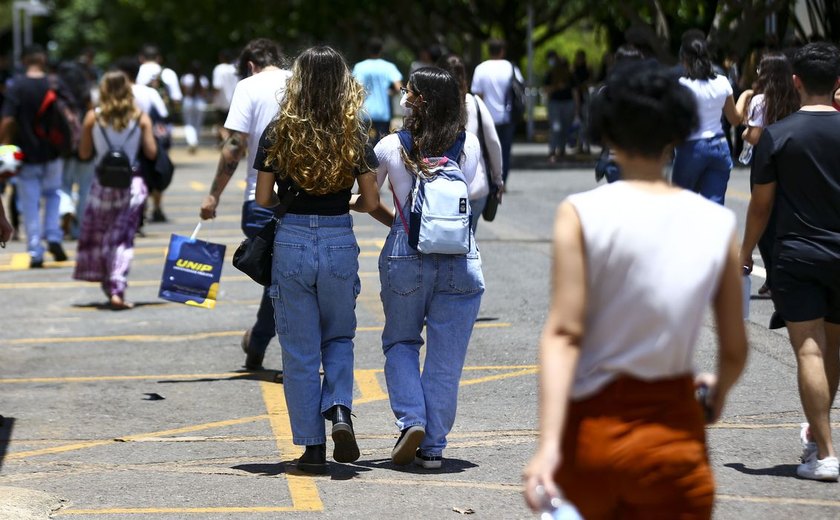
pixel 233 148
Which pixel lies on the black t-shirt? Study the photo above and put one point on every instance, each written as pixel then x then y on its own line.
pixel 801 153
pixel 337 203
pixel 23 99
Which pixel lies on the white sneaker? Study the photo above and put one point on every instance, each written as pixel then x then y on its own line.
pixel 826 469
pixel 808 446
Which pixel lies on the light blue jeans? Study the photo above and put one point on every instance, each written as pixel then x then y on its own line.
pixel 81 174
pixel 703 166
pixel 442 292
pixel 37 181
pixel 315 282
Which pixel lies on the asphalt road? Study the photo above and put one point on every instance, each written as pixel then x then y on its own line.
pixel 83 437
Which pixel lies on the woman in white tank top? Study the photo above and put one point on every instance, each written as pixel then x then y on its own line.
pixel 112 214
pixel 636 264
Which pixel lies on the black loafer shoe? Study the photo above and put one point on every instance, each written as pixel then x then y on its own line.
pixel 314 459
pixel 253 361
pixel 57 251
pixel 346 449
pixel 776 321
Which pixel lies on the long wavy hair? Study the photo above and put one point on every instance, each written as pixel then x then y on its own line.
pixel 697 60
pixel 436 119
pixel 775 81
pixel 116 101
pixel 318 138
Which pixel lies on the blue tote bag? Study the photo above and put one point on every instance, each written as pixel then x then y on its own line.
pixel 192 271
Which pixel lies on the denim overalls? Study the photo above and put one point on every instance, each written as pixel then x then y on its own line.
pixel 315 282
pixel 444 293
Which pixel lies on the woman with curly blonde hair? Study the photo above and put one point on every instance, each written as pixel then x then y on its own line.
pixel 317 149
pixel 106 241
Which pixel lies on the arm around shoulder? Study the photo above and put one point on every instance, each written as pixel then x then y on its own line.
pixel 367 199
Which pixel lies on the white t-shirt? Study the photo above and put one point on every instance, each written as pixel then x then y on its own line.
pixel 255 103
pixel 480 187
pixel 653 266
pixel 491 81
pixel 150 70
pixel 224 81
pixel 146 97
pixel 711 95
pixel 755 112
pixel 391 167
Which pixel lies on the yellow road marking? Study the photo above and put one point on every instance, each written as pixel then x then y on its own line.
pixel 198 186
pixel 302 489
pixel 164 433
pixel 742 195
pixel 780 500
pixel 174 510
pixel 20 261
pixel 497 377
pixel 368 384
pixel 242 184
pixel 171 338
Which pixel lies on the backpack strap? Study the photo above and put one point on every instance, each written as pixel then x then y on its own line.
pixel 483 145
pixel 127 137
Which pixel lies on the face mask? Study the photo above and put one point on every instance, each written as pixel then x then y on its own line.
pixel 404 102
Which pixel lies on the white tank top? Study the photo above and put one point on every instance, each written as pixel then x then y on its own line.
pixel 127 140
pixel 653 264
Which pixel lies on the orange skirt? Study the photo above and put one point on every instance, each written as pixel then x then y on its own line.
pixel 637 449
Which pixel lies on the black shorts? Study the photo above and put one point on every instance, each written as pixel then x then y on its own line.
pixel 805 289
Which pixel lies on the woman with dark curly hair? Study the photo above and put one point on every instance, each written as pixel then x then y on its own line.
pixel 439 291
pixel 317 148
pixel 636 264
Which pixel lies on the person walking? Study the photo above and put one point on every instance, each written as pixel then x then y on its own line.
pixel 196 89
pixel 583 83
pixel 317 148
pixel 41 174
pixel 774 99
pixel 796 169
pixel 488 180
pixel 703 162
pixel 225 79
pixel 253 106
pixel 112 215
pixel 563 104
pixel 439 291
pixel 621 432
pixel 381 78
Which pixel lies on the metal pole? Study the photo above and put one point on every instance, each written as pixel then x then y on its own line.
pixel 16 36
pixel 27 27
pixel 531 91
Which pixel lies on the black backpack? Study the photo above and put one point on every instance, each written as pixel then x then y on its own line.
pixel 57 123
pixel 115 170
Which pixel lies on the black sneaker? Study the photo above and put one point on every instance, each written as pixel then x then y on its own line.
pixel 346 449
pixel 776 321
pixel 314 459
pixel 407 444
pixel 57 251
pixel 36 264
pixel 427 461
pixel 158 216
pixel 253 360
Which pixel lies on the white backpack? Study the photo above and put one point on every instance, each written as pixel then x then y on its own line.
pixel 439 205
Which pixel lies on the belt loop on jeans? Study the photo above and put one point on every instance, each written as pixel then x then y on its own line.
pixel 313 221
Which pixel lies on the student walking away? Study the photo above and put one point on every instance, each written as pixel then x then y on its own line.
pixel 317 148
pixel 563 104
pixel 796 168
pixel 613 357
pixel 196 90
pixel 30 115
pixel 439 290
pixel 492 81
pixel 114 135
pixel 583 82
pixel 224 83
pixel 774 99
pixel 488 180
pixel 253 107
pixel 703 162
pixel 381 79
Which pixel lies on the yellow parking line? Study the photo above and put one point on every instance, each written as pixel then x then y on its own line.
pixel 174 510
pixel 131 283
pixel 164 433
pixel 497 377
pixel 302 489
pixel 368 384
pixel 170 338
pixel 780 500
pixel 198 186
pixel 167 377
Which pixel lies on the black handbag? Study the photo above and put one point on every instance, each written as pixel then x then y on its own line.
pixel 254 255
pixel 492 204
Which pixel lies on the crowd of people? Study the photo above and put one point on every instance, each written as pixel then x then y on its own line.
pixel 636 262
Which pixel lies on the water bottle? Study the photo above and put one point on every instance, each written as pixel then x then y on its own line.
pixel 746 154
pixel 559 509
pixel 746 287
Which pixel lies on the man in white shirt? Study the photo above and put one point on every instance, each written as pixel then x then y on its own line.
pixel 224 82
pixel 492 81
pixel 255 103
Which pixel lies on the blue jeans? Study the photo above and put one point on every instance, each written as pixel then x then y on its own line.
pixel 442 292
pixel 476 208
pixel 315 282
pixel 505 132
pixel 254 218
pixel 37 181
pixel 560 117
pixel 703 166
pixel 81 174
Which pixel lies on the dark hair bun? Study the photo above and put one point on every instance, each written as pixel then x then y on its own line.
pixel 642 109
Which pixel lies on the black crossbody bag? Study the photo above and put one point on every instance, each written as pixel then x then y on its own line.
pixel 254 255
pixel 492 204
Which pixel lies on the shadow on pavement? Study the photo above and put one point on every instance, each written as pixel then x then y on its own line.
pixel 105 306
pixel 780 470
pixel 6 426
pixel 271 376
pixel 541 162
pixel 263 470
pixel 449 466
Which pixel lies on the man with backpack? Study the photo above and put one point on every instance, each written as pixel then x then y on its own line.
pixel 30 121
pixel 497 81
